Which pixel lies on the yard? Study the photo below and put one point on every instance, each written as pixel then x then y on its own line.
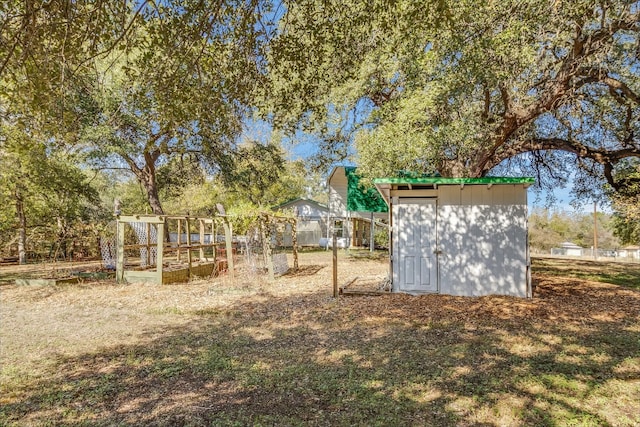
pixel 250 352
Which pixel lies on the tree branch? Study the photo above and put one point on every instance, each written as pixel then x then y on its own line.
pixel 607 158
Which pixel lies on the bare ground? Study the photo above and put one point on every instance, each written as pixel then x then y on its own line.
pixel 285 353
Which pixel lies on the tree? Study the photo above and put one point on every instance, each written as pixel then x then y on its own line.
pixel 261 175
pixel 183 86
pixel 47 53
pixel 162 78
pixel 41 187
pixel 464 88
pixel 626 205
pixel 549 229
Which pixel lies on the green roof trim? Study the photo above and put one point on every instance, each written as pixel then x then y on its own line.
pixel 361 198
pixel 444 181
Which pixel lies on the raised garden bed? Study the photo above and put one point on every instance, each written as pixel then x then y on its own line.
pixel 47 281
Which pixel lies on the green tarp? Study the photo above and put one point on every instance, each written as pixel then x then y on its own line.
pixel 361 198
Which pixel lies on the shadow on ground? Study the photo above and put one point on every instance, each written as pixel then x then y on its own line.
pixel 561 358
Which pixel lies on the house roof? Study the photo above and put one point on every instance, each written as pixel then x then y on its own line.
pixel 300 199
pixel 631 248
pixel 361 198
pixel 570 245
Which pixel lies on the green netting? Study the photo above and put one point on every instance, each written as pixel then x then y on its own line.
pixel 361 198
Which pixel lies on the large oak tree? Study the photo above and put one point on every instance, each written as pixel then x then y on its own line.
pixel 159 79
pixel 464 88
pixel 183 86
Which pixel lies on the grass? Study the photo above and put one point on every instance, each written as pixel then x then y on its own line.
pixel 617 273
pixel 294 356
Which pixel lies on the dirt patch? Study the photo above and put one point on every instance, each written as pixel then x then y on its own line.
pixel 251 351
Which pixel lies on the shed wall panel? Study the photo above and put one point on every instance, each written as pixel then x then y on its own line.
pixel 483 245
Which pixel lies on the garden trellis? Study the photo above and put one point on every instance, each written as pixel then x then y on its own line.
pixel 171 248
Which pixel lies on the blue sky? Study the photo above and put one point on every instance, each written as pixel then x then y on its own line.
pixel 305 145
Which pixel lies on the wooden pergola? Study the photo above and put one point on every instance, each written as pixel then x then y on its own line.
pixel 184 248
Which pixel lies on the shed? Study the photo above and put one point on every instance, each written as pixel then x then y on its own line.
pixel 353 208
pixel 458 236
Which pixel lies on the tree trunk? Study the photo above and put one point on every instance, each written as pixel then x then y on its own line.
pixel 61 245
pixel 147 178
pixel 151 188
pixel 22 229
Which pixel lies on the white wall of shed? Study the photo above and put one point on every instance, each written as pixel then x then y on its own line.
pixel 482 234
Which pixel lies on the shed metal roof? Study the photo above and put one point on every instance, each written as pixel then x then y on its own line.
pixel 452 181
pixel 386 185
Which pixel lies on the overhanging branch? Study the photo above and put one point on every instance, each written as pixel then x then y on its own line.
pixel 607 158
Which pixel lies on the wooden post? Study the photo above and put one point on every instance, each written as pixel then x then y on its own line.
pixel 179 240
pixel 201 252
pixel 148 244
pixel 595 230
pixel 120 252
pixel 335 265
pixel 228 240
pixel 188 230
pixel 159 251
pixel 266 248
pixel 294 242
pixel 212 241
pixel 354 232
pixel 372 230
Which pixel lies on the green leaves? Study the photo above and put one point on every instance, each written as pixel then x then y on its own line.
pixel 462 87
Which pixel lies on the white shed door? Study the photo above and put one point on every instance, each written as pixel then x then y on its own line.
pixel 415 261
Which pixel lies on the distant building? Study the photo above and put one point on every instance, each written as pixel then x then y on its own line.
pixel 353 209
pixel 312 220
pixel 568 249
pixel 630 251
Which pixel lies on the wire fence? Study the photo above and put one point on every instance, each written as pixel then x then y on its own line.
pixel 620 255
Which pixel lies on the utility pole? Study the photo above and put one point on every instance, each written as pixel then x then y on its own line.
pixel 595 230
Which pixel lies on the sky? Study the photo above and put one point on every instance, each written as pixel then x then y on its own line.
pixel 305 145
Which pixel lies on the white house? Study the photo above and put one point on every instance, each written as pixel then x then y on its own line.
pixel 458 236
pixel 571 249
pixel 352 208
pixel 630 251
pixel 312 220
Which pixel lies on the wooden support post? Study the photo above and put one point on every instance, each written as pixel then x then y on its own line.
pixel 179 240
pixel 148 244
pixel 228 240
pixel 354 233
pixel 294 242
pixel 159 251
pixel 266 248
pixel 120 252
pixel 335 265
pixel 188 230
pixel 213 240
pixel 201 252
pixel 372 227
pixel 595 230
